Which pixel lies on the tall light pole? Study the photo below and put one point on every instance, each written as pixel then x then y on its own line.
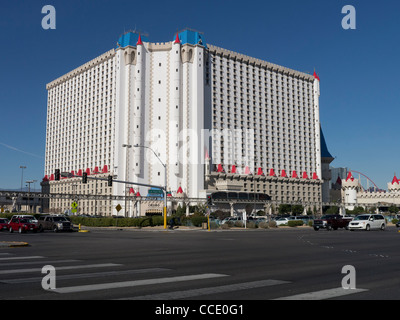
pixel 165 182
pixel 22 174
pixel 29 193
pixel 127 146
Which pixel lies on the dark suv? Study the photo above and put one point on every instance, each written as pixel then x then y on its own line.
pixel 55 223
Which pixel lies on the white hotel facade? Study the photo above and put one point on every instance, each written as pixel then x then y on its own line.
pixel 189 102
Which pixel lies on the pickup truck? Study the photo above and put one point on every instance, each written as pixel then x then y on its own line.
pixel 331 221
pixel 55 223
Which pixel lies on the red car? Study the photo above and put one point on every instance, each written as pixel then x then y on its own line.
pixel 3 224
pixel 22 225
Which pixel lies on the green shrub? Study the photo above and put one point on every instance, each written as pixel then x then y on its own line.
pixel 239 224
pixel 251 225
pixel 225 226
pixel 295 223
pixel 272 224
pixel 197 220
pixel 263 225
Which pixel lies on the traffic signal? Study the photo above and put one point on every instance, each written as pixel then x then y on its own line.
pixel 57 175
pixel 110 180
pixel 209 200
pixel 84 177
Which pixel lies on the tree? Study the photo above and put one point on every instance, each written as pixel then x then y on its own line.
pixel 393 209
pixel 284 208
pixel 297 209
pixel 332 210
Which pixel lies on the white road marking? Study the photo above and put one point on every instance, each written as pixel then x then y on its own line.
pixel 101 265
pixel 134 283
pixel 206 291
pixel 323 294
pixel 87 275
pixel 20 258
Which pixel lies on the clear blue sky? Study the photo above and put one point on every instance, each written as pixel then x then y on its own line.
pixel 359 69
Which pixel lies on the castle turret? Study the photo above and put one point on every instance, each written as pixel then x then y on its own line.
pixel 395 185
pixel 350 188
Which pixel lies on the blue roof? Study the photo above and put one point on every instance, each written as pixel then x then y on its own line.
pixel 192 37
pixel 324 148
pixel 130 39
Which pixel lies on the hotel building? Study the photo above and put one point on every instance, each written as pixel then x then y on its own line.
pixel 212 118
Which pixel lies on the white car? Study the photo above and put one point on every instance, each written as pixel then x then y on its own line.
pixel 368 222
pixel 282 221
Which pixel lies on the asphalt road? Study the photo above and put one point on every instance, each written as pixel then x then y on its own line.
pixel 294 263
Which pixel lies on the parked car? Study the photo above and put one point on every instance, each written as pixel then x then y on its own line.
pixel 26 216
pixel 233 219
pixel 22 225
pixel 282 221
pixel 331 221
pixel 3 224
pixel 55 223
pixel 368 222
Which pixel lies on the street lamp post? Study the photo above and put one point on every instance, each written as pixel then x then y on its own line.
pixel 127 146
pixel 22 174
pixel 29 193
pixel 165 182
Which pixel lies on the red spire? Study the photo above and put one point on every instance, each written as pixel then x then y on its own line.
pixel 314 176
pixel 247 170
pixel 349 177
pixel 233 169
pixel 294 174
pixel 88 171
pixel 105 169
pixel 138 194
pixel 180 190
pixel 131 190
pixel 177 39
pixel 220 168
pixel 395 180
pixel 272 173
pixel 80 172
pixel 260 172
pixel 283 173
pixel 96 170
pixel 305 176
pixel 46 178
pixel 139 42
pixel 316 76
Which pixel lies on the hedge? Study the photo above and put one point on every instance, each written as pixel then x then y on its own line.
pixel 295 223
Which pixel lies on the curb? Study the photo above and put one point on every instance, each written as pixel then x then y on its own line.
pixel 12 244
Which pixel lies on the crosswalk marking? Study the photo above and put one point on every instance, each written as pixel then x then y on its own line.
pixel 100 265
pixel 87 275
pixel 6 260
pixel 42 262
pixel 19 258
pixel 323 294
pixel 134 283
pixel 211 290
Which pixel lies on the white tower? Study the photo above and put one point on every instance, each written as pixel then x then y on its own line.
pixel 350 188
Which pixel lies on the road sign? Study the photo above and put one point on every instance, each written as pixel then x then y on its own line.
pixel 118 207
pixel 74 205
